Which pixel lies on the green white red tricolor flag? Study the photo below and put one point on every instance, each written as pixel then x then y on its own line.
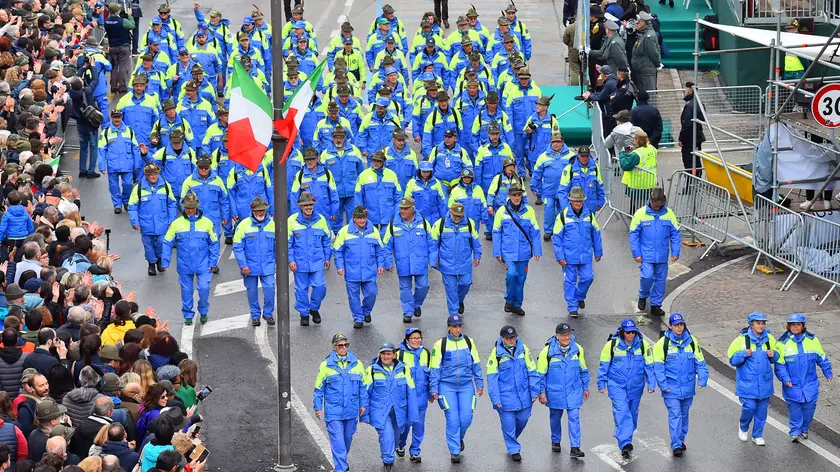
pixel 296 107
pixel 249 125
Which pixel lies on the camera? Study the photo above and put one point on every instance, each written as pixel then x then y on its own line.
pixel 532 126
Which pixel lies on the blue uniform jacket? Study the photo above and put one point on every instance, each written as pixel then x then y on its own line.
pixel 403 163
pixel 458 366
pixel 309 242
pixel 152 207
pixel 378 191
pixel 545 181
pixel 198 247
pixel 588 180
pixel 118 149
pixel 564 376
pixel 245 185
pixel 212 195
pixel 140 114
pixel 509 242
pixel 681 368
pixel 359 252
pixel 340 388
pixel 428 201
pixel 411 245
pixel 753 374
pixel 801 353
pixel 375 131
pixel 175 167
pixel 255 249
pixel 388 390
pixel 513 381
pixel 345 166
pixel 457 245
pixel 654 233
pixel 418 364
pixel 577 239
pixel 631 367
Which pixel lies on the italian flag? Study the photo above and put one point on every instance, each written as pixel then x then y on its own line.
pixel 296 107
pixel 249 128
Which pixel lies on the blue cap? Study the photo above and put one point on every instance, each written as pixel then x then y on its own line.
pixel 454 320
pixel 796 318
pixel 348 40
pixel 430 41
pixel 300 24
pixel 155 41
pixel 676 318
pixel 387 346
pixel 756 316
pixel 382 102
pixel 390 39
pixel 183 51
pixel 247 21
pixel 425 76
pixel 156 21
pixel 425 64
pixel 412 330
pixel 390 70
pixel 426 166
pixel 629 325
pixel 202 25
pixel 201 32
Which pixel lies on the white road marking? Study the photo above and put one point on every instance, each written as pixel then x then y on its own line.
pixel 778 425
pixel 261 339
pixel 225 324
pixel 326 14
pixel 655 444
pixel 327 46
pixel 187 333
pixel 227 288
pixel 676 270
pixel 605 453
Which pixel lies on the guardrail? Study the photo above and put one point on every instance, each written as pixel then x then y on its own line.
pixel 779 235
pixel 701 207
pixel 763 11
pixel 820 249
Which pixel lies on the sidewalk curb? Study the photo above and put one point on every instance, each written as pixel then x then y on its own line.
pixel 722 365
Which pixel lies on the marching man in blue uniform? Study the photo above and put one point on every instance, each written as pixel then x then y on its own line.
pixel 626 366
pixel 753 354
pixel 411 244
pixel 513 385
pixel 309 256
pixel 417 359
pixel 459 250
pixel 800 352
pixel 564 385
pixel 340 398
pixel 151 208
pixel 253 246
pixel 576 240
pixel 679 366
pixel 456 378
pixel 119 158
pixel 393 403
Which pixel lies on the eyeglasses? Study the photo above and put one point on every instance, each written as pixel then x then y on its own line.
pixel 343 345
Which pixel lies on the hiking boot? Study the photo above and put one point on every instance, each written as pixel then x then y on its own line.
pixel 642 304
pixel 547 237
pixel 517 310
pixel 538 201
pixel 794 439
pixel 555 447
pixel 581 304
pixel 625 451
pixel 316 316
pixel 152 270
pixel 488 237
pixel 573 314
pixel 125 206
pixel 256 322
pixel 657 311
pixel 187 321
pixel 304 321
pixel 407 319
pixel 576 452
pixel 93 175
pixel 270 321
pixel 677 452
pixel 203 318
pixel 160 266
pixel 463 445
pixel 358 325
pixel 368 319
pixel 400 451
pixel 118 211
pixel 416 459
pixel 388 466
pixel 508 308
pixel 417 312
pixel 229 240
pixel 683 447
pixel 461 308
pixel 455 458
pixel 517 457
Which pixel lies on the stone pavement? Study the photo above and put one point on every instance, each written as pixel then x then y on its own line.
pixel 716 308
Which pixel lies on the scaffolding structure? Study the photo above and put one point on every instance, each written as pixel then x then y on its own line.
pixel 806 242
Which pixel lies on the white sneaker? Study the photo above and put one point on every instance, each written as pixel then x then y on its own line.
pixel 743 435
pixel 823 205
pixel 804 205
pixel 758 441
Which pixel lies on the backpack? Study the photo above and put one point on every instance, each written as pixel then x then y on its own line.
pixel 72 264
pixel 748 344
pixel 140 200
pixel 710 36
pixel 614 340
pixel 108 133
pixel 443 345
pixel 401 353
pixel 454 115
pixel 440 231
pixel 299 176
pixel 425 228
pixel 667 342
pixel 562 216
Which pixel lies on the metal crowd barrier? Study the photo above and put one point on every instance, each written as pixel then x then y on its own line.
pixel 779 235
pixel 819 252
pixel 701 207
pixel 762 11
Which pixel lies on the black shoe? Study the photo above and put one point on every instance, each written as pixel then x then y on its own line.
pixel 229 240
pixel 547 237
pixel 256 322
pixel 671 3
pixel 93 175
pixel 152 270
pixel 367 319
pixel 316 317
pixel 508 308
pixel 581 303
pixel 125 206
pixel 538 201
pixel 388 466
pixel 630 446
pixel 657 311
pixel 683 447
pixel 358 325
pixel 418 312
pixel 270 321
pixel 304 321
pixel 455 458
pixel 517 310
pixel 117 211
pixel 83 174
pixel 576 452
pixel 187 321
pixel 159 266
pixel 416 459
pixel 203 318
pixel 516 457
pixel 214 270
pixel 461 308
pixel 573 314
pixel 463 445
pixel 400 451
pixel 642 304
pixel 677 452
pixel 446 24
pixel 407 319
pixel 488 237
pixel 625 451
pixel 555 447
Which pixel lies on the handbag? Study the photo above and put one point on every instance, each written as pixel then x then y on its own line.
pixel 90 113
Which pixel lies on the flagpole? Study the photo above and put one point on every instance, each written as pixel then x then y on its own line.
pixel 281 251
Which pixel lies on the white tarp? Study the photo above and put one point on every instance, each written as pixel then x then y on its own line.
pixel 765 37
pixel 800 159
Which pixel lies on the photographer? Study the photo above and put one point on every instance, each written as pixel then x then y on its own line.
pixel 80 96
pixel 118 29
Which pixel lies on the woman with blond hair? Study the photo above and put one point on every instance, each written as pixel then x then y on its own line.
pixel 639 165
pixel 91 464
pixel 99 441
pixel 147 374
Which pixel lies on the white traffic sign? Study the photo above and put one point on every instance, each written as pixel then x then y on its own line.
pixel 826 106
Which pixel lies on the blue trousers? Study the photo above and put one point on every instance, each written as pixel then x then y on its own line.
pixel 102 104
pixel 576 281
pixel 228 228
pixel 409 300
pixel 88 149
pixel 361 296
pixel 418 428
pixel 801 415
pixel 556 421
pixel 345 213
pixel 152 246
pixel 626 417
pixel 252 286
pixel 457 403
pixel 551 207
pixel 517 272
pixel 513 423
pixel 304 302
pixel 118 199
pixel 341 435
pixel 754 409
pixel 456 288
pixel 187 287
pixel 652 279
pixel 678 419
pixel 519 152
pixel 388 438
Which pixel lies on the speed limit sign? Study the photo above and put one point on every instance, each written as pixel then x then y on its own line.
pixel 826 106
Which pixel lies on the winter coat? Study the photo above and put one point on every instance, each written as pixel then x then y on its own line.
pixel 340 388
pixel 624 370
pixel 253 245
pixel 390 389
pixel 509 241
pixel 411 245
pixel 458 245
pixel 198 245
pixel 654 233
pixel 681 368
pixel 577 238
pixel 459 365
pixel 512 379
pixel 754 373
pixel 799 356
pixel 309 242
pixel 359 252
pixel 563 375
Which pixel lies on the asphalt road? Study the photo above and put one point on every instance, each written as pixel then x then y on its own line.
pixel 239 362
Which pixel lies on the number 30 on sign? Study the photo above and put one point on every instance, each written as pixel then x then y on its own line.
pixel 826 106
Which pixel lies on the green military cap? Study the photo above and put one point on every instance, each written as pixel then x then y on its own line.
pixel 339 131
pixel 346 27
pixel 431 85
pixel 458 209
pixel 168 104
pixel 515 189
pixel 257 15
pixel 242 35
pixel 388 61
pixel 462 20
pixel 223 110
pixel 657 196
pixel 177 135
pixel 151 169
pixel 557 137
pixel 544 101
pixel 407 202
pixel 343 91
pixel 494 127
pixel 524 73
pixel 294 61
pixel 503 21
pixel 387 9
pixel 359 212
pixel 511 8
pixel 332 106
pixel 196 69
pixel 398 133
pixel 518 63
pixel 191 86
pixel 190 201
pixel 90 41
pixel 164 8
pixel 508 38
pixel 577 195
pixel 225 137
pixel 466 41
pixel 492 97
pixel 114 7
pixel 509 161
pixel 339 62
pixel 140 79
pixel 298 9
pixel 475 56
pixel 65 432
pixel 378 156
pixel 310 153
pixel 473 83
pixel 204 161
pixel 23 145
pixel 21 60
pixel 258 204
pixel 472 13
pixel 305 198
pixel 291 71
pixel 147 56
pixel 442 96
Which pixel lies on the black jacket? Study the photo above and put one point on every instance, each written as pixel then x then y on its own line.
pixel 686 120
pixel 86 433
pixel 41 360
pixel 128 458
pixel 647 117
pixel 78 105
